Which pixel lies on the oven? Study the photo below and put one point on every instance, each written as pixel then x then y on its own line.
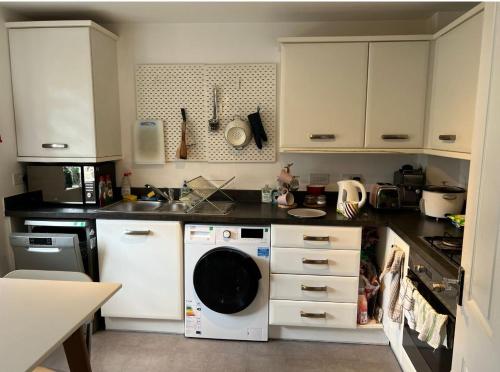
pixel 423 357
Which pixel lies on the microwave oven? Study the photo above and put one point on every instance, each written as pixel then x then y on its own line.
pixel 69 183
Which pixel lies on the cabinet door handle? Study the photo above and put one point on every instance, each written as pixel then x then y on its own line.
pixel 315 262
pixel 304 314
pixel 137 232
pixel 395 136
pixel 55 145
pixel 311 238
pixel 313 289
pixel 447 137
pixel 329 137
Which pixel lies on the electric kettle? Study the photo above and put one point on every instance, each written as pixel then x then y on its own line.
pixel 348 191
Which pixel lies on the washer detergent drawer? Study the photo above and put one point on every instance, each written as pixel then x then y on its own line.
pixel 315 261
pixel 302 236
pixel 312 314
pixel 314 288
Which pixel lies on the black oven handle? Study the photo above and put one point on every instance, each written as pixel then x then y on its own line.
pixel 461 279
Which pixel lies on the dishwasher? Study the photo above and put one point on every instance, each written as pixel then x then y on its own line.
pixel 63 245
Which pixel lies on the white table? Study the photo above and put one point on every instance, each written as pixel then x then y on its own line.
pixel 37 316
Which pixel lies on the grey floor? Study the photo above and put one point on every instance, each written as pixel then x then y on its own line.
pixel 133 351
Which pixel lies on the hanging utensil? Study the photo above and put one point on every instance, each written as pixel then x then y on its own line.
pixel 238 133
pixel 182 150
pixel 214 121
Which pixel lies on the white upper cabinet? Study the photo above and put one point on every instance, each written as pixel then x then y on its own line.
pixel 323 95
pixel 65 88
pixel 454 86
pixel 396 93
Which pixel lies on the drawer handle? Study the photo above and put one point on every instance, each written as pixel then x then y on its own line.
pixel 310 238
pixel 137 232
pixel 395 136
pixel 315 262
pixel 447 137
pixel 303 314
pixel 329 137
pixel 314 289
pixel 54 145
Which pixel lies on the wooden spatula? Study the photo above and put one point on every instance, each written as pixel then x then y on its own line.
pixel 182 149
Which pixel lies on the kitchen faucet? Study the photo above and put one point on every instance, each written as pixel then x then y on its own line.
pixel 163 194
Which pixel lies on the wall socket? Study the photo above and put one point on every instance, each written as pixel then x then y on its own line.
pixel 17 179
pixel 319 179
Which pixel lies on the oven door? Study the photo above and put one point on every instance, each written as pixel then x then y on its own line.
pixel 423 357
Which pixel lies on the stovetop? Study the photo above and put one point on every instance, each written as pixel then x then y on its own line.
pixel 448 246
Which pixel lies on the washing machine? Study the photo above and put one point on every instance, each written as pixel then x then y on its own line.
pixel 226 282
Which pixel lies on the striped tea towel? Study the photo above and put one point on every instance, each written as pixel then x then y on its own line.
pixel 394 268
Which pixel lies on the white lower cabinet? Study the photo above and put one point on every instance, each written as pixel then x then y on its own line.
pixel 313 314
pixel 146 258
pixel 314 276
pixel 394 331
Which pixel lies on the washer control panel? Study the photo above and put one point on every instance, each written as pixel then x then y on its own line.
pixel 212 234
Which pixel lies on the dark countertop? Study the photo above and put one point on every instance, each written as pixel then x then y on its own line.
pixel 409 225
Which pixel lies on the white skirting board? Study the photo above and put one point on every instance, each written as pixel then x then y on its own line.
pixel 145 325
pixel 354 336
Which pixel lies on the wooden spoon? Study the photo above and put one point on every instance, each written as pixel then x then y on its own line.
pixel 182 150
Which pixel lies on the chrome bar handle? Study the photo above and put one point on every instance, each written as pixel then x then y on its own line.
pixel 303 314
pixel 311 238
pixel 329 137
pixel 313 289
pixel 447 137
pixel 137 232
pixel 55 145
pixel 395 136
pixel 315 262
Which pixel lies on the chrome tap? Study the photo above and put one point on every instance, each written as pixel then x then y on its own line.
pixel 163 194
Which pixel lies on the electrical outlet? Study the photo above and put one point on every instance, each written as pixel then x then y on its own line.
pixel 319 179
pixel 351 176
pixel 17 179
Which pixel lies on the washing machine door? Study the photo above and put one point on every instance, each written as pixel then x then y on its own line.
pixel 226 280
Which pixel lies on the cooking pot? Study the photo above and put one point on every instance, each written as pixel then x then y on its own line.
pixel 438 201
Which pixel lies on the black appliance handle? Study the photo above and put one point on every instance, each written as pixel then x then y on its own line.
pixel 461 279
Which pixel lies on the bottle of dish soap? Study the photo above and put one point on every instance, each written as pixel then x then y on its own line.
pixel 185 191
pixel 126 185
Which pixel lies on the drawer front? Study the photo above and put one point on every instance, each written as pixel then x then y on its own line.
pixel 290 236
pixel 314 261
pixel 312 314
pixel 314 288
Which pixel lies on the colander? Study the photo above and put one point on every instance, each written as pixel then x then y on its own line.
pixel 238 133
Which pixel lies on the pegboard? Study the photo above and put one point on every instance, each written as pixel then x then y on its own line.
pixel 161 91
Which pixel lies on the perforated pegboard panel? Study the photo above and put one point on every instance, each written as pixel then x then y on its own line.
pixel 161 90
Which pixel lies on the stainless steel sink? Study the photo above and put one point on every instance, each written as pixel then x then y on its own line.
pixel 174 207
pixel 131 207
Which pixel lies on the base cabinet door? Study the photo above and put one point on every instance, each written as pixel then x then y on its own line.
pixel 146 258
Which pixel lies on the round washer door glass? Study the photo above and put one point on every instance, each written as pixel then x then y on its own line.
pixel 226 280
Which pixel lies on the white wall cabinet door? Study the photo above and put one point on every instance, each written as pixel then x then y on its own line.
pixel 454 86
pixel 397 83
pixel 52 86
pixel 323 95
pixel 65 90
pixel 146 257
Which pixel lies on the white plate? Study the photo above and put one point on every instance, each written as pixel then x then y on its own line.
pixel 306 213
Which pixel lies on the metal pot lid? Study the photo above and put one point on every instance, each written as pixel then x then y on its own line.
pixel 444 189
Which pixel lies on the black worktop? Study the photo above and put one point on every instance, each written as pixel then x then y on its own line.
pixel 410 225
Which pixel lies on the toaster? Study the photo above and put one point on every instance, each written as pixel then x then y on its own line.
pixel 385 196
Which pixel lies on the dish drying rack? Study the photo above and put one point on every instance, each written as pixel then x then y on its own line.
pixel 202 189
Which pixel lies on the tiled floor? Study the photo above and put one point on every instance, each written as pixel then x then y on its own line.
pixel 145 352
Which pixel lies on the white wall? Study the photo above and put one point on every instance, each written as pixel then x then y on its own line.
pixel 8 150
pixel 238 42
